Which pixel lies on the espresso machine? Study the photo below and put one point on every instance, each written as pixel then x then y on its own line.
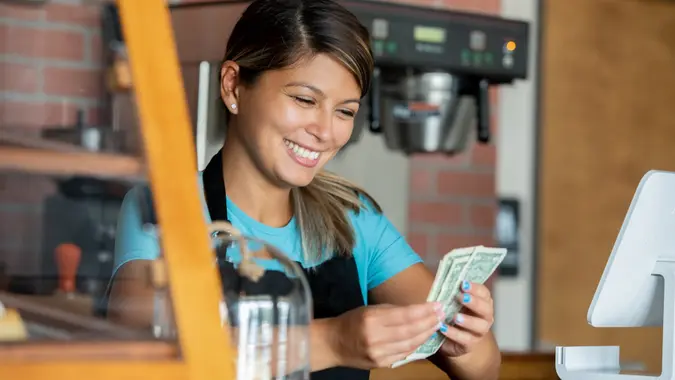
pixel 430 88
pixel 434 69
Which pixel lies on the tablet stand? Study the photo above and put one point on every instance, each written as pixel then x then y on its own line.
pixel 602 362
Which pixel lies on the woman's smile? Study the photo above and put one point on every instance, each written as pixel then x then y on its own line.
pixel 302 155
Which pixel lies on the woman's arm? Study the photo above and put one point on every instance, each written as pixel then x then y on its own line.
pixel 131 304
pixel 412 286
pixel 338 341
pixel 323 344
pixel 131 295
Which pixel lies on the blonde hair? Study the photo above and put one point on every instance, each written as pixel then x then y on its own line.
pixel 321 210
pixel 275 34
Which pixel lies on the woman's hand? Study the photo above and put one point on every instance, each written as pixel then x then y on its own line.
pixel 472 323
pixel 377 336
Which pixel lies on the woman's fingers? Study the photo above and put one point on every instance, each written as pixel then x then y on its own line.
pixel 399 324
pixel 480 306
pixel 460 336
pixel 415 329
pixel 404 315
pixel 476 325
pixel 388 353
pixel 476 289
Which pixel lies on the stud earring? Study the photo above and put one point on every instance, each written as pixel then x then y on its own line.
pixel 234 106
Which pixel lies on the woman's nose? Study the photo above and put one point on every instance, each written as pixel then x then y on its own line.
pixel 322 126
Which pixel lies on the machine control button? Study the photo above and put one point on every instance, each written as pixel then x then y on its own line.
pixel 466 57
pixel 378 48
pixel 380 29
pixel 477 40
pixel 507 61
pixel 477 59
pixel 392 47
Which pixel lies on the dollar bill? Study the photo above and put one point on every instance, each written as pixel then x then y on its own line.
pixel 474 264
pixel 444 268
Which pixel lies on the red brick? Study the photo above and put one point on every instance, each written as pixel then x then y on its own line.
pixel 420 3
pixel 421 181
pixel 73 14
pixel 20 12
pixel 40 43
pixel 84 83
pixel 94 116
pixel 482 216
pixel 438 213
pixel 484 155
pixel 482 6
pixel 36 115
pixel 17 77
pixel 419 243
pixel 96 49
pixel 457 160
pixel 473 184
pixel 447 242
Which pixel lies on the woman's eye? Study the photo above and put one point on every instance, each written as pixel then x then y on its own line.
pixel 348 113
pixel 304 101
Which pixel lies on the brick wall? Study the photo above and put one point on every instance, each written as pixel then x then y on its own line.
pixel 50 63
pixel 50 67
pixel 453 199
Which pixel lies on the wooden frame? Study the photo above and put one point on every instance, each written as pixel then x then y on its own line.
pixel 203 350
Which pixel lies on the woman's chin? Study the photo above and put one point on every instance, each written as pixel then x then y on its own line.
pixel 297 178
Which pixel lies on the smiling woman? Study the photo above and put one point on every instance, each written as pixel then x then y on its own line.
pixel 292 78
pixel 303 74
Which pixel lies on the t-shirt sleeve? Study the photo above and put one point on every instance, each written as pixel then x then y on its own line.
pixel 388 251
pixel 132 241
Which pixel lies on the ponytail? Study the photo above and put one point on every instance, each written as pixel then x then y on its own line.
pixel 321 209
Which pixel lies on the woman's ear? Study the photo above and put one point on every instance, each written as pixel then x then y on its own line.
pixel 229 86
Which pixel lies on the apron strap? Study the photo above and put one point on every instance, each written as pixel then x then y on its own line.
pixel 214 188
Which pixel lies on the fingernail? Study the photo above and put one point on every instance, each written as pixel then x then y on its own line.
pixel 441 315
pixel 438 306
pixel 459 318
pixel 466 285
pixel 467 298
pixel 443 327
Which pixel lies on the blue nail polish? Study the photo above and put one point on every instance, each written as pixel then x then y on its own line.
pixel 459 318
pixel 467 298
pixel 466 285
pixel 443 327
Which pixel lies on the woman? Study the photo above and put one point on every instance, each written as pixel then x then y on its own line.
pixel 291 80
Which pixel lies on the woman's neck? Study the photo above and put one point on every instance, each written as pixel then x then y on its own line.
pixel 248 188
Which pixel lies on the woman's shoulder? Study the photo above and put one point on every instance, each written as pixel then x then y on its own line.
pixel 140 199
pixel 368 211
pixel 370 222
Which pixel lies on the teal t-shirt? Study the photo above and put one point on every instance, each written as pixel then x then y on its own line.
pixel 380 251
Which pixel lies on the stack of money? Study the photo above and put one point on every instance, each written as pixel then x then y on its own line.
pixel 473 264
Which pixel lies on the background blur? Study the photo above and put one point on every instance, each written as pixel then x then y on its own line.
pixel 570 146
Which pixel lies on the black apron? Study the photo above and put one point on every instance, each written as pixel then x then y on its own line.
pixel 334 284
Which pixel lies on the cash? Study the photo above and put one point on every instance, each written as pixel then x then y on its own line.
pixel 474 264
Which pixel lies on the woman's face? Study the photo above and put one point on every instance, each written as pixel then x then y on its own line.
pixel 293 121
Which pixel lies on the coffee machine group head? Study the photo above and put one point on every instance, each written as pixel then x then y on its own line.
pixel 434 69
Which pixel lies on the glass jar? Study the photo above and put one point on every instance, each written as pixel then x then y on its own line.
pixel 266 304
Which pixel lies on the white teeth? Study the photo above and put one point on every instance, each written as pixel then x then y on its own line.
pixel 300 151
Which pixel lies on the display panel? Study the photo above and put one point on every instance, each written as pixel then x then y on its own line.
pixel 429 34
